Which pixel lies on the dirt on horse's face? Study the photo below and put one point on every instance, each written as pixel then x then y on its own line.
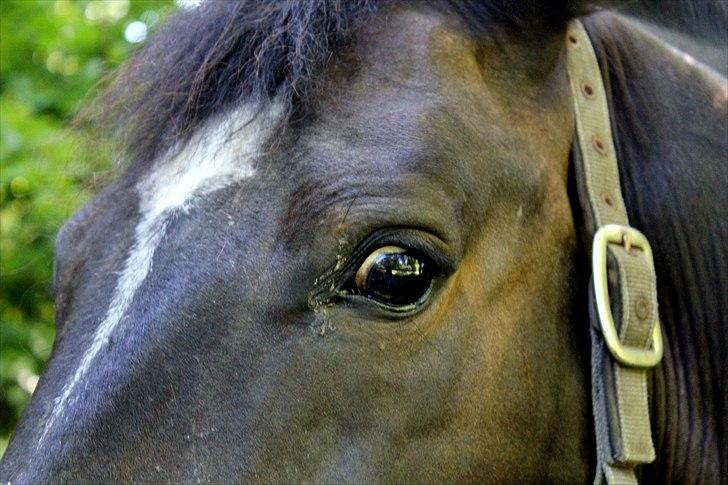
pixel 212 320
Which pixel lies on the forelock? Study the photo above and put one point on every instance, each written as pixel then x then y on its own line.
pixel 204 59
pixel 223 52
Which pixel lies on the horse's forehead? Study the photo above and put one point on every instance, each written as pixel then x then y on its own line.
pixel 220 152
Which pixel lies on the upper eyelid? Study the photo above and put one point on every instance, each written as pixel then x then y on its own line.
pixel 413 239
pixel 337 276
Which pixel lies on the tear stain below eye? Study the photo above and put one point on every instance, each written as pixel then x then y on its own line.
pixel 322 317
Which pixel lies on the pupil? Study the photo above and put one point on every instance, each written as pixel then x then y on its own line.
pixel 397 279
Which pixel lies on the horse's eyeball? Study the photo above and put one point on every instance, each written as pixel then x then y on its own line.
pixel 394 276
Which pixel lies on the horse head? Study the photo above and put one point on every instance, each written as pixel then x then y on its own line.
pixel 345 247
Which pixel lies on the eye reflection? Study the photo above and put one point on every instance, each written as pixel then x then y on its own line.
pixel 394 276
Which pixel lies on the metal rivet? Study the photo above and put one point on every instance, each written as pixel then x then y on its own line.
pixel 599 146
pixel 587 90
pixel 642 308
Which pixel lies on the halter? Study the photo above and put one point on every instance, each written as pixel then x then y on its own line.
pixel 625 330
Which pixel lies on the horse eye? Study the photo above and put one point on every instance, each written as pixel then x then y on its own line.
pixel 394 276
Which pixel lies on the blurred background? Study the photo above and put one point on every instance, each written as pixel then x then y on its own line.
pixel 52 55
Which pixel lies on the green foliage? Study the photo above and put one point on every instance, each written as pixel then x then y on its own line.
pixel 52 53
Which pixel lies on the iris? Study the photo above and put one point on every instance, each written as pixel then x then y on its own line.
pixel 394 276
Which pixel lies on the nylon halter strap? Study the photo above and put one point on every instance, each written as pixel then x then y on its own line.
pixel 625 331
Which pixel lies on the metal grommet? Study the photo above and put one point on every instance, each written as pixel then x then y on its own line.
pixel 599 146
pixel 587 90
pixel 642 308
pixel 607 199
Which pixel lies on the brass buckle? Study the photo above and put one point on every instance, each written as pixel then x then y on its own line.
pixel 628 237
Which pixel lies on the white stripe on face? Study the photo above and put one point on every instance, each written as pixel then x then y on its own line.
pixel 217 155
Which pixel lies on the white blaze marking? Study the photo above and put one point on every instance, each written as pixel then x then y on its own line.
pixel 218 154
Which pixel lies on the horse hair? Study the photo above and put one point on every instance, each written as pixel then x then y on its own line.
pixel 204 59
pixel 207 58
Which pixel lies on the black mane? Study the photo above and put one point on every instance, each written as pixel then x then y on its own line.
pixel 697 27
pixel 670 133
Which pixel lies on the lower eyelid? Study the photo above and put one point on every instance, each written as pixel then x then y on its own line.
pixel 409 309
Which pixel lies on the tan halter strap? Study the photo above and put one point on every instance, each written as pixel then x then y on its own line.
pixel 625 330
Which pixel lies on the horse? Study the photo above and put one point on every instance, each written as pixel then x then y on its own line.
pixel 346 246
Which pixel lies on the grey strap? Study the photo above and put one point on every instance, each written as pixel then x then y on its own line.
pixel 626 339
